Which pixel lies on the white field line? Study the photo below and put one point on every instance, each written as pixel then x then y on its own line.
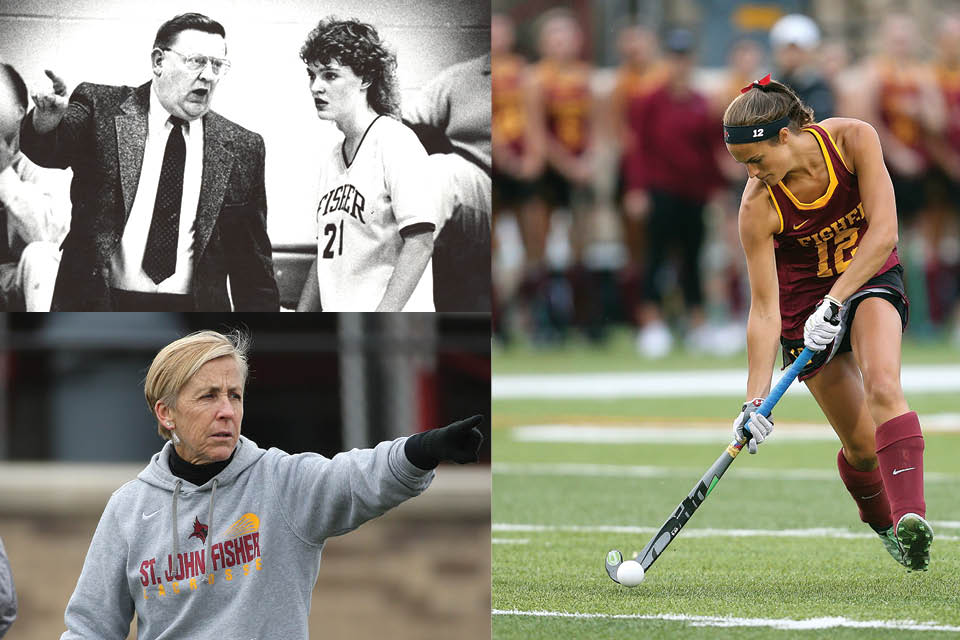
pixel 639 471
pixel 510 540
pixel 946 524
pixel 816 532
pixel 671 384
pixel 941 421
pixel 730 621
pixel 657 433
pixel 683 433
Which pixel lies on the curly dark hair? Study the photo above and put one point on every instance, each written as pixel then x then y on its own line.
pixel 357 45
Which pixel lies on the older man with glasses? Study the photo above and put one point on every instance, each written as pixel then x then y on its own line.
pixel 168 196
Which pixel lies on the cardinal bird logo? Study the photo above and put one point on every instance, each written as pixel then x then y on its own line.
pixel 199 530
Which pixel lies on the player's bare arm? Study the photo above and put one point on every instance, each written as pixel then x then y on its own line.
pixel 860 146
pixel 535 135
pixel 413 259
pixel 758 222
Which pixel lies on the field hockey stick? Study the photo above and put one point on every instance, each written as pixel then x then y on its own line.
pixel 684 511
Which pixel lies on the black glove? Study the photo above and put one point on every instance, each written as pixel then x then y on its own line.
pixel 458 442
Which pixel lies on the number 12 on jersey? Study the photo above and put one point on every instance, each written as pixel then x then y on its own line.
pixel 331 231
pixel 843 241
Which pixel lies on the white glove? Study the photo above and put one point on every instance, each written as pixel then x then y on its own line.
pixel 823 325
pixel 759 426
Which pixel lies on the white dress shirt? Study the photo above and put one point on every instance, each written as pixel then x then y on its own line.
pixel 127 263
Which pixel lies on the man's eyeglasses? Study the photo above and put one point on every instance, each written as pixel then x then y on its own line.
pixel 197 62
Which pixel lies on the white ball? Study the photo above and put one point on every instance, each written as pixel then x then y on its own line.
pixel 630 573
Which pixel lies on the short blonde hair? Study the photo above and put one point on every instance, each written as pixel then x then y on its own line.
pixel 177 362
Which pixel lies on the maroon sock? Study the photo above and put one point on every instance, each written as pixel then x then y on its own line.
pixel 866 488
pixel 900 452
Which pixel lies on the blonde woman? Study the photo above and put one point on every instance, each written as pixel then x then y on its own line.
pixel 217 533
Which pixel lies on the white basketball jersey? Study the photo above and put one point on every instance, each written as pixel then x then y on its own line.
pixel 363 207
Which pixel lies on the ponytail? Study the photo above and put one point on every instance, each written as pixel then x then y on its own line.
pixel 765 105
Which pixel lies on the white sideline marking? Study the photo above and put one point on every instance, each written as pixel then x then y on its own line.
pixel 940 421
pixel 656 434
pixel 510 540
pixel 665 433
pixel 817 532
pixel 946 524
pixel 639 471
pixel 730 621
pixel 675 384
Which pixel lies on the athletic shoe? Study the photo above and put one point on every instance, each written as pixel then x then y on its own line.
pixel 654 340
pixel 890 543
pixel 700 339
pixel 915 536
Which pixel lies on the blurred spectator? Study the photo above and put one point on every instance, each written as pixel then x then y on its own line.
pixel 518 153
pixel 726 280
pixel 640 72
pixel 905 109
pixel 670 176
pixel 561 83
pixel 943 267
pixel 455 106
pixel 745 63
pixel 34 210
pixel 845 79
pixel 794 39
pixel 8 595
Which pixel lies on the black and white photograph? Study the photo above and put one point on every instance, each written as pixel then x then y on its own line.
pixel 245 156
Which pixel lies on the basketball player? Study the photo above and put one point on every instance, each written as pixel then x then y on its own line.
pixel 377 214
pixel 818 225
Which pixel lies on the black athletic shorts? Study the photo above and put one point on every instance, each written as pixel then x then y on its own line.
pixel 508 191
pixel 561 193
pixel 910 194
pixel 888 285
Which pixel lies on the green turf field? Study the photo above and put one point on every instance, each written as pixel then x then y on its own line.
pixel 778 541
pixel 617 354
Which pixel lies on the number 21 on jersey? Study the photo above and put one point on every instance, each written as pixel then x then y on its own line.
pixel 334 237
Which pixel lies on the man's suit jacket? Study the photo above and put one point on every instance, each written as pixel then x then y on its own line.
pixel 102 137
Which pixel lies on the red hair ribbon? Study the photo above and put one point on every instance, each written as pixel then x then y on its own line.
pixel 762 82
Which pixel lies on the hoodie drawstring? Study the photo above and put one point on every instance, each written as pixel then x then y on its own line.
pixel 213 491
pixel 176 544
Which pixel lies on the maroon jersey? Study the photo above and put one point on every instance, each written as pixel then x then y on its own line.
pixel 509 111
pixel 566 99
pixel 817 240
pixel 900 99
pixel 949 80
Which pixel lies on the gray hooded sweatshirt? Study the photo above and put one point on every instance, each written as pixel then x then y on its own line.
pixel 8 595
pixel 237 557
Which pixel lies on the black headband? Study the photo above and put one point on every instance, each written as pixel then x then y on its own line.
pixel 754 132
